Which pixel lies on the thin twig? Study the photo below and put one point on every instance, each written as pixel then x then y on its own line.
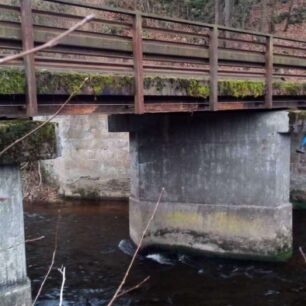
pixel 45 122
pixel 137 251
pixel 52 260
pixel 62 270
pixel 35 239
pixel 302 253
pixel 51 43
pixel 39 174
pixel 134 287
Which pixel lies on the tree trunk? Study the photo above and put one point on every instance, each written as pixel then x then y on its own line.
pixel 217 10
pixel 227 13
pixel 272 16
pixel 291 4
pixel 263 15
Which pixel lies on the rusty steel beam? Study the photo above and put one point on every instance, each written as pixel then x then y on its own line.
pixel 213 65
pixel 138 64
pixel 269 73
pixel 29 63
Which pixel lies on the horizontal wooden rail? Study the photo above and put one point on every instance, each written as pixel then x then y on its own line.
pixel 133 43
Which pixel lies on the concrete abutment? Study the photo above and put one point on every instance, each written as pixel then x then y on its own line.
pixel 15 287
pixel 226 177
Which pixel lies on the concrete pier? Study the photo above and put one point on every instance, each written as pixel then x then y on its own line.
pixel 15 287
pixel 14 284
pixel 226 177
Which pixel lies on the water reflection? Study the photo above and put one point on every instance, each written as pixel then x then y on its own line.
pixel 88 246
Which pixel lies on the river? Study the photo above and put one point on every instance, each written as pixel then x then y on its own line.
pixel 88 238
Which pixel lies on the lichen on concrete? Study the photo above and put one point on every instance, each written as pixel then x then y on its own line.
pixel 40 145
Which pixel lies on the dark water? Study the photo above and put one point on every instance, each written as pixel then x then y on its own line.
pixel 88 247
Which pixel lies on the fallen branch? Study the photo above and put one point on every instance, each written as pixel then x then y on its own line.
pixel 45 122
pixel 137 251
pixel 35 239
pixel 134 287
pixel 52 260
pixel 62 270
pixel 302 253
pixel 51 43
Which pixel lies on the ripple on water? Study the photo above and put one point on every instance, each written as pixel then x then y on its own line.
pixel 88 247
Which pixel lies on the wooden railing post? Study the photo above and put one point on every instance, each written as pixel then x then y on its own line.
pixel 138 64
pixel 28 43
pixel 269 72
pixel 213 68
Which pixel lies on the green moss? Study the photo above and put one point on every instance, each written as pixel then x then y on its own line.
pixel 195 88
pixel 298 204
pixel 98 84
pixel 289 88
pixel 296 115
pixel 282 255
pixel 40 145
pixel 241 88
pixel 12 81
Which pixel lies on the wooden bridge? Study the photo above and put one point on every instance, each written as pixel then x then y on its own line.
pixel 138 63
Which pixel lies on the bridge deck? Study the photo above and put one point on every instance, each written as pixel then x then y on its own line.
pixel 142 63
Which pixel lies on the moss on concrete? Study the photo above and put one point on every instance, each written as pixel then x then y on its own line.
pixel 98 84
pixel 196 88
pixel 296 115
pixel 289 88
pixel 40 145
pixel 241 88
pixel 12 81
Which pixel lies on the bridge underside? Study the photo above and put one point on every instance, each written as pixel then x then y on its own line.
pixel 111 92
pixel 226 177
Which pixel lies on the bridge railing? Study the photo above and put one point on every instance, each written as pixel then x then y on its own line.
pixel 141 45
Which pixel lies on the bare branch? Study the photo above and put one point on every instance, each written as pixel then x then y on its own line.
pixel 35 239
pixel 45 122
pixel 134 287
pixel 137 251
pixel 51 43
pixel 62 270
pixel 302 253
pixel 52 260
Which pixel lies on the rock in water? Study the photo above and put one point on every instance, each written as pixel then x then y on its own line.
pixel 161 259
pixel 127 247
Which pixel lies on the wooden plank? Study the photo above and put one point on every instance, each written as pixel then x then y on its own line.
pixel 28 43
pixel 115 44
pixel 213 65
pixel 269 73
pixel 138 64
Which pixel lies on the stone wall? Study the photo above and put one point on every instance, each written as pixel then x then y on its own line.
pixel 94 163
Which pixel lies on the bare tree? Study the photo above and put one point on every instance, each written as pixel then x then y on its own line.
pixel 217 10
pixel 227 13
pixel 263 19
pixel 291 4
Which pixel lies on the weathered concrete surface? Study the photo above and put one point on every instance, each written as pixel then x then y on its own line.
pixel 15 288
pixel 94 163
pixel 40 145
pixel 298 161
pixel 226 177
